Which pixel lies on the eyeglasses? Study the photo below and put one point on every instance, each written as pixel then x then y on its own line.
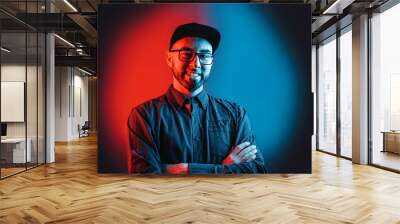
pixel 205 58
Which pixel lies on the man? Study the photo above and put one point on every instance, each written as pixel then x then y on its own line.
pixel 187 131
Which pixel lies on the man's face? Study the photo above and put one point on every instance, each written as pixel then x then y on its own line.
pixel 191 74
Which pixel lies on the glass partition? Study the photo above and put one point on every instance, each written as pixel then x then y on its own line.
pixel 22 88
pixel 385 89
pixel 41 91
pixel 327 95
pixel 31 100
pixel 13 108
pixel 346 93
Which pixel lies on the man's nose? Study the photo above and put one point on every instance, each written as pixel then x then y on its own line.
pixel 196 62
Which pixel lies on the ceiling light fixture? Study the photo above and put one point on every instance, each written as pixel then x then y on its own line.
pixel 84 71
pixel 5 50
pixel 64 40
pixel 70 5
pixel 337 7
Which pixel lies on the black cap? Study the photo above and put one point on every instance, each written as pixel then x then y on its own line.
pixel 196 30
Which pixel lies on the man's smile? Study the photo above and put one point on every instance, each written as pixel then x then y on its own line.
pixel 192 76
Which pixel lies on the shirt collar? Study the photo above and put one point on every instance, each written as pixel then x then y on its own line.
pixel 178 98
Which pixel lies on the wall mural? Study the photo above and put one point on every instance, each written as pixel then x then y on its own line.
pixel 204 88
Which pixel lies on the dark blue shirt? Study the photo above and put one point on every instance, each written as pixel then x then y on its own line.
pixel 162 131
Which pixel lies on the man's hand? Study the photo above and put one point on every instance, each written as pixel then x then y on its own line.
pixel 241 153
pixel 180 168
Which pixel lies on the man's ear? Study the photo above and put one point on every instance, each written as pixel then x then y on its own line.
pixel 168 57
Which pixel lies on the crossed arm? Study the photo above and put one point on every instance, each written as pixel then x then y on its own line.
pixel 243 158
pixel 242 153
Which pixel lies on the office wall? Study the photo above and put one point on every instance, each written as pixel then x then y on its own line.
pixel 71 102
pixel 61 103
pixel 92 89
pixel 80 112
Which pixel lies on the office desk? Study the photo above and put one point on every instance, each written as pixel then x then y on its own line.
pixel 13 150
pixel 391 141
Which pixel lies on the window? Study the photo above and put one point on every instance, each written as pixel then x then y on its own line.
pixel 346 93
pixel 327 96
pixel 385 88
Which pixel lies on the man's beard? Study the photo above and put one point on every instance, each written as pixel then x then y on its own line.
pixel 189 82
